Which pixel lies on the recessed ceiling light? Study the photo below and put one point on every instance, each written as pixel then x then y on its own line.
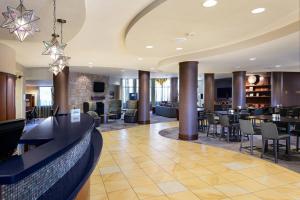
pixel 238 67
pixel 179 48
pixel 140 58
pixel 149 47
pixel 90 64
pixel 252 59
pixel 258 10
pixel 277 66
pixel 210 3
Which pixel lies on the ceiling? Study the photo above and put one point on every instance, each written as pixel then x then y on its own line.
pixel 114 33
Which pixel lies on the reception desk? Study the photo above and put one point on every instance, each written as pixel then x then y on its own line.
pixel 67 150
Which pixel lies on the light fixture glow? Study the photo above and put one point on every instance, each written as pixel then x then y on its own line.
pixel 20 21
pixel 149 47
pixel 140 58
pixel 277 66
pixel 258 10
pixel 210 3
pixel 252 59
pixel 179 48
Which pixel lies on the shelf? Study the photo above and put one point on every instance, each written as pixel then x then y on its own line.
pixel 257 91
pixel 260 97
pixel 258 85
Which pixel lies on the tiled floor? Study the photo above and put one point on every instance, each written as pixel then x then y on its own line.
pixel 138 163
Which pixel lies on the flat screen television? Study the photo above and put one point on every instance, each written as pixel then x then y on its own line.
pixel 224 93
pixel 132 96
pixel 99 86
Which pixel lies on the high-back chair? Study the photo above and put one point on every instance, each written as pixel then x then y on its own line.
pixel 247 130
pixel 269 131
pixel 225 123
pixel 212 122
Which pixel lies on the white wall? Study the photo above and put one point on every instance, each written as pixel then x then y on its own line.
pixel 7 59
pixel 36 73
pixel 20 92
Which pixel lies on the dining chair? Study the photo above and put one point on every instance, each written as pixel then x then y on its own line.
pixel 225 123
pixel 247 130
pixel 212 122
pixel 296 132
pixel 269 131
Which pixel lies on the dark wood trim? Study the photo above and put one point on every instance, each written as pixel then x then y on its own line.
pixel 144 122
pixel 188 137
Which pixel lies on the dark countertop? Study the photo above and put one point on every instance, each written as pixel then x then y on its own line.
pixel 55 135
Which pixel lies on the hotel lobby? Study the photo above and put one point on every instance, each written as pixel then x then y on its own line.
pixel 150 100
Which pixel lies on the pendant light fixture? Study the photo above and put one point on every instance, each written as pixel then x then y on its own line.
pixel 53 48
pixel 62 60
pixel 20 21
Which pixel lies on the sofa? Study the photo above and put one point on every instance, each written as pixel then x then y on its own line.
pixel 115 107
pixel 131 115
pixel 166 110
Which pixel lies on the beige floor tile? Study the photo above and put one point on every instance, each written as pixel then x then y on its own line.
pixel 113 177
pixel 231 190
pixel 97 189
pixel 109 170
pixel 246 197
pixel 128 194
pixel 272 194
pixel 171 187
pixel 214 179
pixel 164 197
pixel 251 185
pixel 194 183
pixel 161 177
pixel 99 197
pixel 148 191
pixel 139 181
pixel 270 181
pixel 111 186
pixel 234 176
pixel 209 193
pixel 183 196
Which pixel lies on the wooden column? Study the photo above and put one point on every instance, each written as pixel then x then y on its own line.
pixel 153 102
pixel 61 91
pixel 209 92
pixel 188 83
pixel 239 89
pixel 174 89
pixel 7 96
pixel 144 98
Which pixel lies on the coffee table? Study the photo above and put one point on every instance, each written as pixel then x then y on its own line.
pixel 105 117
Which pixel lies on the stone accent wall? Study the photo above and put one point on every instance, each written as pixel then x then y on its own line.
pixel 81 89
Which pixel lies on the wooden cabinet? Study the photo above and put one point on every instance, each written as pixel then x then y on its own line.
pixel 7 96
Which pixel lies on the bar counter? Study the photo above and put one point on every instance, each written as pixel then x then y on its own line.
pixel 66 154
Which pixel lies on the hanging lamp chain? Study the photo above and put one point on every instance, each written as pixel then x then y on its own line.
pixel 61 33
pixel 54 17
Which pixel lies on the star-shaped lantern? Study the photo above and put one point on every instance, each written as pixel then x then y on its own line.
pixel 62 61
pixel 20 21
pixel 54 48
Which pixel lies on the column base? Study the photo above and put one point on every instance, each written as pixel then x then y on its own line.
pixel 144 122
pixel 188 137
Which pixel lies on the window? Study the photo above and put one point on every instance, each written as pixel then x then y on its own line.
pixel 45 96
pixel 162 92
pixel 128 86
